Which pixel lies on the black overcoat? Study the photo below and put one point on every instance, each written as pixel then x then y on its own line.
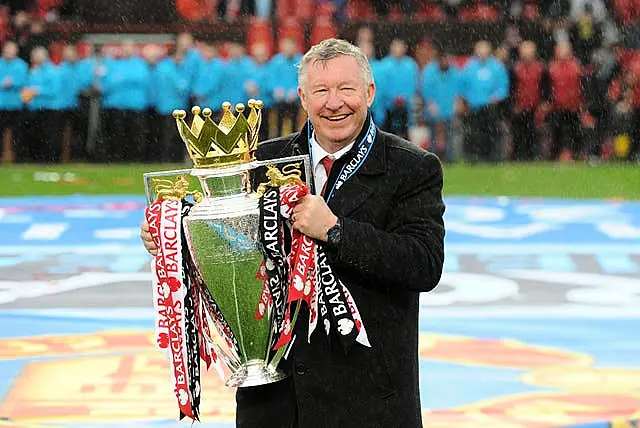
pixel 392 249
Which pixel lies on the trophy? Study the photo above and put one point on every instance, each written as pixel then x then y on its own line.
pixel 220 271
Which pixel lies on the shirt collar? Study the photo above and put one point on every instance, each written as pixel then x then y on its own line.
pixel 318 153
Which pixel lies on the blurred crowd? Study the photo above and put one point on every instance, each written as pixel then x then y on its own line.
pixel 575 96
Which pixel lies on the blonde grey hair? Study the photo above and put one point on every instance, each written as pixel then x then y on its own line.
pixel 332 48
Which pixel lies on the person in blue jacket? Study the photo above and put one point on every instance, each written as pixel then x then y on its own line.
pixel 236 75
pixel 440 90
pixel 259 85
pixel 171 91
pixel 207 91
pixel 42 131
pixel 125 91
pixel 193 59
pixel 13 76
pixel 403 85
pixel 67 104
pixel 284 84
pixel 485 83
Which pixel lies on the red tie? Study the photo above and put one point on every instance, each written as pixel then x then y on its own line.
pixel 327 163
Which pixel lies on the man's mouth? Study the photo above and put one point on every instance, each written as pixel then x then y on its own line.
pixel 337 117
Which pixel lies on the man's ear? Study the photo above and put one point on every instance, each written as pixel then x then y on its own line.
pixel 371 93
pixel 303 99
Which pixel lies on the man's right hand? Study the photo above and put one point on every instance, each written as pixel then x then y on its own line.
pixel 145 235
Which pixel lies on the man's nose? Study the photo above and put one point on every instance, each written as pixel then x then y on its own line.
pixel 334 101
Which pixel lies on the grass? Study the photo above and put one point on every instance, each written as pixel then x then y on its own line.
pixel 533 180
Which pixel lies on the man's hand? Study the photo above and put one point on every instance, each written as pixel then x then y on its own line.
pixel 145 235
pixel 312 217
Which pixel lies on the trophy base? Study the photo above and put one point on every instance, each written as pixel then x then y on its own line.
pixel 255 373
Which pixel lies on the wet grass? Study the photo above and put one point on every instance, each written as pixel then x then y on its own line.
pixel 531 180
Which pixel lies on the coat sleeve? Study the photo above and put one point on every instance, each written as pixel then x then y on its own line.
pixel 409 254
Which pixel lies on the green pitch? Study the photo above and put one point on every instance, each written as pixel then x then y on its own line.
pixel 576 180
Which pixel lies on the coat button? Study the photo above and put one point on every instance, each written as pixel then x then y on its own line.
pixel 300 369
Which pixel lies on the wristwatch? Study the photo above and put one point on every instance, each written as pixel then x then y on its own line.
pixel 334 234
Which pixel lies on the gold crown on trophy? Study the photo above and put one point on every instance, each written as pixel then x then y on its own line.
pixel 234 140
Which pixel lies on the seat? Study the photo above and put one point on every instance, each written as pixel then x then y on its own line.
pixel 322 28
pixel 479 12
pixel 429 11
pixel 260 31
pixel 291 28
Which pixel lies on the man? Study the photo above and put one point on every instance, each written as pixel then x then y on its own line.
pixel 383 231
pixel 440 91
pixel 126 95
pixel 402 87
pixel 528 79
pixel 42 136
pixel 485 83
pixel 282 69
pixel 13 75
pixel 565 103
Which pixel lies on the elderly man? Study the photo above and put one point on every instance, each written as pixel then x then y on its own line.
pixel 377 210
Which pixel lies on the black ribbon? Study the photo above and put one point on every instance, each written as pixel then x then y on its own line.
pixel 270 231
pixel 334 304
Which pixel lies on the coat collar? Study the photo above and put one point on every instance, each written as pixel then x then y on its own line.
pixel 376 161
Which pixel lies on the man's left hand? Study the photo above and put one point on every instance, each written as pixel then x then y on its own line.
pixel 313 217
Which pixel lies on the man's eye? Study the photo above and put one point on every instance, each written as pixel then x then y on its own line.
pixel 320 91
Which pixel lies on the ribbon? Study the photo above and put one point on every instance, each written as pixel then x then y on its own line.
pixel 310 279
pixel 175 329
pixel 275 264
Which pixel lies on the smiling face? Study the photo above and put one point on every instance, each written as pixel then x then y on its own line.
pixel 336 97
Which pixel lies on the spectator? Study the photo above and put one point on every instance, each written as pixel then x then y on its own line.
pixel 192 57
pixel 90 72
pixel 67 104
pixel 597 81
pixel 207 91
pixel 485 83
pixel 34 38
pixel 259 86
pixel 126 94
pixel 566 103
pixel 402 88
pixel 13 76
pixel 440 91
pixel 284 81
pixel 585 35
pixel 152 55
pixel 42 131
pixel 171 81
pixel 527 85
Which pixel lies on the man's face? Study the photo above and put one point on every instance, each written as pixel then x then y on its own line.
pixel 398 48
pixel 9 50
pixel 336 98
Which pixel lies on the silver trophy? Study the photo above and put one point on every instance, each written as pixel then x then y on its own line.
pixel 222 230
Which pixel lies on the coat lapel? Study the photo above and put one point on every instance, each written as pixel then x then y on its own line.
pixel 355 191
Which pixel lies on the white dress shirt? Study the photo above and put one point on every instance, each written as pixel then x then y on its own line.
pixel 317 154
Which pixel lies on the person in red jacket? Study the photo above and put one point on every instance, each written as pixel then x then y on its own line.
pixel 565 103
pixel 528 75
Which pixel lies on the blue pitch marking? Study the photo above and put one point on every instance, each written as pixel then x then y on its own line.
pixel 486 221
